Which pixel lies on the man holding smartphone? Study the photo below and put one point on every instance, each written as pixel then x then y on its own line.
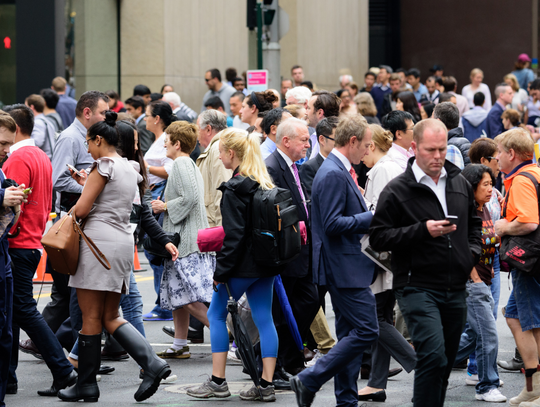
pixel 432 257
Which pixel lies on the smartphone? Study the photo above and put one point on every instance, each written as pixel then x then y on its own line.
pixel 75 170
pixel 27 190
pixel 452 219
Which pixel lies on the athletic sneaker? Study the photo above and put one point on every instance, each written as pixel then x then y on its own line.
pixel 231 356
pixel 209 389
pixel 268 394
pixel 472 379
pixel 493 396
pixel 171 353
pixel 317 356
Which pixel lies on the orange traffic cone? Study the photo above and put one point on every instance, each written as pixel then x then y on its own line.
pixel 136 262
pixel 41 276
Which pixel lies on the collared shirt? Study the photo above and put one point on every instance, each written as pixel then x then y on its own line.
pixel 324 158
pixel 345 161
pixel 267 148
pixel 138 119
pixel 23 143
pixel 289 164
pixel 454 156
pixel 315 147
pixel 433 97
pixel 224 94
pixel 422 90
pixel 439 188
pixel 400 155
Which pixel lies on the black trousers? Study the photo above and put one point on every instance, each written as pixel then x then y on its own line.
pixel 304 300
pixel 435 320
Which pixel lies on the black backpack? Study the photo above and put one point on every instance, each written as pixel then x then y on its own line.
pixel 275 227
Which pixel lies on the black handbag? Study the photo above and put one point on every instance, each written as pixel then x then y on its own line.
pixel 153 247
pixel 522 252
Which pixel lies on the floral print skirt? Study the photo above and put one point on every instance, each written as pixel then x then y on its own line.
pixel 188 279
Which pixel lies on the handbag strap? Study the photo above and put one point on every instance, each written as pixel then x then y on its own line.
pixel 93 248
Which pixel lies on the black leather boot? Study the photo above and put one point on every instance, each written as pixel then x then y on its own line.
pixel 155 369
pixel 86 388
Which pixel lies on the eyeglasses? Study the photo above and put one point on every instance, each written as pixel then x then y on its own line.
pixel 207 80
pixel 86 144
pixel 328 137
pixel 492 158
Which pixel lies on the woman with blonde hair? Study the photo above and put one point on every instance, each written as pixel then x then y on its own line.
pixel 390 342
pixel 236 266
pixel 476 85
pixel 366 107
pixel 298 111
pixel 520 95
pixel 186 282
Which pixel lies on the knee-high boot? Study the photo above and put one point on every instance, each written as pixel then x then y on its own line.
pixel 86 387
pixel 155 369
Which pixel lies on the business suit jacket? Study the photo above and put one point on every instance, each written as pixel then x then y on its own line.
pixel 494 125
pixel 283 178
pixel 339 220
pixel 308 171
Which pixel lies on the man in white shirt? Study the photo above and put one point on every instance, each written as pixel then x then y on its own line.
pixel 322 104
pixel 269 126
pixel 401 126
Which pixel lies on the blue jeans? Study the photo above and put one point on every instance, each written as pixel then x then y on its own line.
pixel 131 305
pixel 259 294
pixel 28 318
pixel 481 336
pixel 496 283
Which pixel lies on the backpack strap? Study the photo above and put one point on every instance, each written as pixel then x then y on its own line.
pixel 535 183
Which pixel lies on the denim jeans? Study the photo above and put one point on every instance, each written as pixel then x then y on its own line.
pixel 27 317
pixel 496 283
pixel 524 301
pixel 131 305
pixel 481 336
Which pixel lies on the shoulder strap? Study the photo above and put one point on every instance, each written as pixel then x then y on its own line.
pixel 93 248
pixel 535 183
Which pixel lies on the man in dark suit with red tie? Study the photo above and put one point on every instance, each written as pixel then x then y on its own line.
pixel 339 218
pixel 292 140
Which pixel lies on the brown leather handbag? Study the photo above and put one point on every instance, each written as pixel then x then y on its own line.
pixel 62 241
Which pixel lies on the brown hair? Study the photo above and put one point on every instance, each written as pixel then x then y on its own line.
pixel 518 140
pixel 184 132
pixel 514 116
pixel 37 101
pixel 295 110
pixel 264 101
pixel 59 84
pixel 327 101
pixel 349 127
pixel 365 104
pixel 483 147
pixel 8 122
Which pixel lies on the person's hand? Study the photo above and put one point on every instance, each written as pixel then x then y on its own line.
pixel 500 198
pixel 474 276
pixel 437 228
pixel 171 248
pixel 81 180
pixel 145 164
pixel 158 206
pixel 216 283
pixel 14 196
pixel 500 227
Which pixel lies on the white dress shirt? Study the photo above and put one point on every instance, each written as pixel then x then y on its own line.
pixel 343 159
pixel 400 156
pixel 23 143
pixel 289 164
pixel 439 188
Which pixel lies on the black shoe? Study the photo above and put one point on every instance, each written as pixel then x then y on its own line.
pixel 114 356
pixel 394 372
pixel 155 368
pixel 194 336
pixel 27 346
pixel 281 374
pixel 169 330
pixel 103 369
pixel 280 384
pixel 462 364
pixel 86 388
pixel 304 398
pixel 11 388
pixel 377 396
pixel 57 385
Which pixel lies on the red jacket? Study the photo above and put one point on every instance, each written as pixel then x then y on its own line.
pixel 30 166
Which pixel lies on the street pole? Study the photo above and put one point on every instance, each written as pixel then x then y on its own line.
pixel 271 47
pixel 259 36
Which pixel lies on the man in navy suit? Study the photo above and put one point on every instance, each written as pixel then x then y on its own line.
pixel 339 218
pixel 494 125
pixel 292 140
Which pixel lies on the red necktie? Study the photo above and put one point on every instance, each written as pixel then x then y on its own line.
pixel 353 175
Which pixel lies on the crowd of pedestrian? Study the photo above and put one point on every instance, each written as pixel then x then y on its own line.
pixel 442 184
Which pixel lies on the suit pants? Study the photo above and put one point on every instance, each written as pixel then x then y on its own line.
pixel 6 336
pixel 304 300
pixel 435 319
pixel 357 330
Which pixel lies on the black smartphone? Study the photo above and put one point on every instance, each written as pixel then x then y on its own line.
pixel 452 219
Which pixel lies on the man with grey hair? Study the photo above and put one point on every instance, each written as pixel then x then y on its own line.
pixel 292 140
pixel 299 95
pixel 339 218
pixel 181 110
pixel 344 80
pixel 432 257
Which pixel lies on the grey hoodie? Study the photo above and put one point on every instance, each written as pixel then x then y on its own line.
pixel 475 116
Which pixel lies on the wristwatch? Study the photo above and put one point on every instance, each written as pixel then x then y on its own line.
pixel 165 208
pixel 148 169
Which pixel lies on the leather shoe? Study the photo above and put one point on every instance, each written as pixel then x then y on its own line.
pixel 115 356
pixel 308 354
pixel 304 398
pixel 394 372
pixel 11 388
pixel 103 369
pixel 280 373
pixel 280 384
pixel 194 336
pixel 27 346
pixel 293 371
pixel 67 381
pixel 377 396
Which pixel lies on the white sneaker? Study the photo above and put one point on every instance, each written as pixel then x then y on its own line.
pixel 231 356
pixel 472 379
pixel 317 356
pixel 493 396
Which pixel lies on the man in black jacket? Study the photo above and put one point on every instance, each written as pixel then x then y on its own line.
pixel 448 113
pixel 292 140
pixel 431 257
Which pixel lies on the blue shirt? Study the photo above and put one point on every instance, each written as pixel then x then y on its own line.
pixel 267 148
pixel 422 90
pixel 66 109
pixel 454 156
